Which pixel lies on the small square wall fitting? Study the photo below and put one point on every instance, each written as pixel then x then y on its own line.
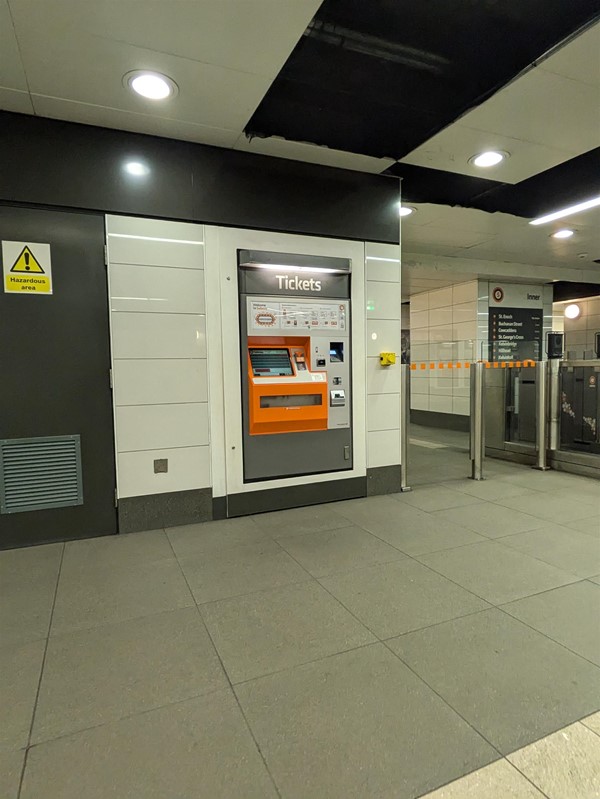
pixel 387 358
pixel 161 466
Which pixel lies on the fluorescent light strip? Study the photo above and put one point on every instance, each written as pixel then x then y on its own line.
pixel 573 209
pixel 375 258
pixel 153 238
pixel 296 268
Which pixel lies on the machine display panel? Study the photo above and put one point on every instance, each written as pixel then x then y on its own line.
pixel 271 363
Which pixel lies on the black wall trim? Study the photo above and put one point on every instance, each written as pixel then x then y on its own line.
pixel 384 480
pixel 446 421
pixel 53 163
pixel 154 511
pixel 295 496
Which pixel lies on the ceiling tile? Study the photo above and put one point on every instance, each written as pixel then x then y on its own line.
pixel 254 37
pixel 451 150
pixel 542 108
pixel 579 60
pixel 19 102
pixel 313 154
pixel 90 69
pixel 139 123
pixel 12 75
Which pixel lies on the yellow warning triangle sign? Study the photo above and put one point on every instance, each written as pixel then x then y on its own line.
pixel 27 262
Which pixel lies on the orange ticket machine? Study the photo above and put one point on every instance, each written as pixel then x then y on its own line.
pixel 295 339
pixel 285 394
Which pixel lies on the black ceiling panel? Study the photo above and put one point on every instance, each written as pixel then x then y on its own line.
pixel 379 77
pixel 566 184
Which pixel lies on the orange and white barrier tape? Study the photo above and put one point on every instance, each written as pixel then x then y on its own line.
pixel 467 365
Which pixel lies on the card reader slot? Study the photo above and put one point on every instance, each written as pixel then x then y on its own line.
pixel 290 400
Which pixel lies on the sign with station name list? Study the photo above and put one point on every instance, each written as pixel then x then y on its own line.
pixel 515 334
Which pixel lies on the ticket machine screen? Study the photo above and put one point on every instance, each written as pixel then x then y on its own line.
pixel 271 363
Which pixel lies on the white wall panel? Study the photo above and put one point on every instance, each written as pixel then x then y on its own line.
pixel 154 382
pixel 155 252
pixel 419 402
pixel 133 226
pixel 383 448
pixel 464 292
pixel 383 412
pixel 189 468
pixel 440 404
pixel 440 298
pixel 142 427
pixel 383 300
pixel 383 379
pixel 461 406
pixel 387 271
pixel 418 318
pixel 156 289
pixel 419 302
pixel 142 335
pixel 464 312
pixel 388 336
pixel 440 316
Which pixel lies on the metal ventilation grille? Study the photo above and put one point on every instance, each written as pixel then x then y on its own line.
pixel 38 473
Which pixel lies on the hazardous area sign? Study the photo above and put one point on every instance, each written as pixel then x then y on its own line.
pixel 26 267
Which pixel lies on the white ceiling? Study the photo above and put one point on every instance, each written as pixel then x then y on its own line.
pixel 548 115
pixel 66 59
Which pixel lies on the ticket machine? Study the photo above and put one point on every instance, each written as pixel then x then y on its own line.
pixel 296 364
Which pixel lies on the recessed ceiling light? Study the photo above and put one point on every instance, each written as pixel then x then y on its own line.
pixel 136 168
pixel 572 209
pixel 563 234
pixel 572 311
pixel 406 210
pixel 489 158
pixel 151 85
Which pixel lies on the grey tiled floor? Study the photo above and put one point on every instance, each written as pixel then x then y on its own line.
pixel 382 647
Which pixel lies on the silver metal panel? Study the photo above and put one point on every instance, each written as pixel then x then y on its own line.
pixel 39 473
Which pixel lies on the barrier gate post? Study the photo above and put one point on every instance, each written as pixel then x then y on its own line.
pixel 541 422
pixel 477 436
pixel 404 425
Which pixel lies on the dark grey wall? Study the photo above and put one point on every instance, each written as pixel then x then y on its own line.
pixel 56 163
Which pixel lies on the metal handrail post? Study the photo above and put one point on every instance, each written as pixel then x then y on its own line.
pixel 404 425
pixel 477 436
pixel 541 422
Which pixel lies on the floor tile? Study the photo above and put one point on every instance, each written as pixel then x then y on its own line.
pixel 312 519
pixel 198 748
pixel 499 780
pixel 592 722
pixel 11 766
pixel 564 765
pixel 359 724
pixel 332 551
pixel 487 521
pixel 369 512
pixel 432 498
pixel 397 597
pixel 511 683
pixel 589 526
pixel 559 546
pixel 495 572
pixel 416 532
pixel 90 595
pixel 118 550
pixel 489 489
pixel 211 538
pixel 548 506
pixel 20 669
pixel 586 493
pixel 595 579
pixel 28 579
pixel 106 673
pixel 569 615
pixel 272 630
pixel 242 570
